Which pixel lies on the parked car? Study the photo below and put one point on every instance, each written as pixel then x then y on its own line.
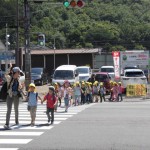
pixel 84 73
pixel 133 76
pixel 39 76
pixel 128 67
pixel 66 72
pixel 105 78
pixel 109 70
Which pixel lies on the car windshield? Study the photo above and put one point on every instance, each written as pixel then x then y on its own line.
pixel 107 69
pixel 63 74
pixel 131 67
pixel 134 74
pixel 82 70
pixel 36 70
pixel 101 77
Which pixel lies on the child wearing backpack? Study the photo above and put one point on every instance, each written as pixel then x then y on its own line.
pixel 51 103
pixel 32 102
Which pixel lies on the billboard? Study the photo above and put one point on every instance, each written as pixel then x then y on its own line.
pixel 134 58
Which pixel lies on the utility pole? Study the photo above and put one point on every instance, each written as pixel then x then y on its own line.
pixel 7 43
pixel 54 46
pixel 27 44
pixel 17 36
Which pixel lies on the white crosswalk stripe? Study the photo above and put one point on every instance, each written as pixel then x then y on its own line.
pixel 24 129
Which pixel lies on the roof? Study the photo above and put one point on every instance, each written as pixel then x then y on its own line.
pixel 132 70
pixel 107 67
pixel 66 67
pixel 64 51
pixel 83 67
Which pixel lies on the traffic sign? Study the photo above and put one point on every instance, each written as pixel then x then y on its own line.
pixel 7 55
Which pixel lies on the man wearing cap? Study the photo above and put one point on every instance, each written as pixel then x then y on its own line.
pixel 13 86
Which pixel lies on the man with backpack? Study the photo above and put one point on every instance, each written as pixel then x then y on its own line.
pixel 13 88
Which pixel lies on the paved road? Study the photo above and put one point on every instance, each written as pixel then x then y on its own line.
pixel 106 126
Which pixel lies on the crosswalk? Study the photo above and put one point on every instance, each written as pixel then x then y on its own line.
pixel 24 133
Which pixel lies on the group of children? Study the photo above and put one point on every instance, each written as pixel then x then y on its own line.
pixel 76 94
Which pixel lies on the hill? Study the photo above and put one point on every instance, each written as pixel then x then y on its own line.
pixel 110 24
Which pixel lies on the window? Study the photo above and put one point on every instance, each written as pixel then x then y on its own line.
pixel 82 70
pixel 36 70
pixel 101 77
pixel 107 69
pixel 63 74
pixel 134 74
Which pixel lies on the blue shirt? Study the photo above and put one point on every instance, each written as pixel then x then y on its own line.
pixel 32 100
pixel 77 90
pixel 15 86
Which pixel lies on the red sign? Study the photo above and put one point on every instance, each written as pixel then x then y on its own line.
pixel 116 54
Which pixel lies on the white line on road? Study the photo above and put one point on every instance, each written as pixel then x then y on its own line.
pixel 39 115
pixel 9 148
pixel 15 141
pixel 21 133
pixel 37 118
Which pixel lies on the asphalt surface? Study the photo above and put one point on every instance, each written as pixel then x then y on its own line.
pixel 102 126
pixel 106 126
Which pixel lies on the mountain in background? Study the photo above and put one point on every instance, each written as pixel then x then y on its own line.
pixel 110 24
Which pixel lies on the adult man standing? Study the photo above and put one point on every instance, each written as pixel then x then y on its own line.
pixel 13 88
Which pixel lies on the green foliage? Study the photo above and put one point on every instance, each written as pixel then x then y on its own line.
pixel 110 24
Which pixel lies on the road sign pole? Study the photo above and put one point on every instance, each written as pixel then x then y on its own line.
pixel 27 44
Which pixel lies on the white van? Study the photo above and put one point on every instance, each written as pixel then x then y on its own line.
pixel 84 73
pixel 133 76
pixel 66 72
pixel 110 70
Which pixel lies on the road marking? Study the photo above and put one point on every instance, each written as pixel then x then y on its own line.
pixel 15 141
pixel 37 118
pixel 28 122
pixel 39 115
pixel 9 148
pixel 22 133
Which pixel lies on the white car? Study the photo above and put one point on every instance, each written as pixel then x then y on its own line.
pixel 133 76
pixel 84 73
pixel 110 70
pixel 65 72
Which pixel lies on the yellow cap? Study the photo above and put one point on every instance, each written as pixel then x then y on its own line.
pixel 32 85
pixel 101 83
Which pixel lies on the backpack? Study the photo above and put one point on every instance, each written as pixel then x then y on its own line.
pixel 28 107
pixel 4 90
pixel 29 95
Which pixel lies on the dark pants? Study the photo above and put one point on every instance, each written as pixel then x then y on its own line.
pixel 10 101
pixel 102 96
pixel 59 101
pixel 52 114
pixel 88 98
pixel 82 98
pixel 120 96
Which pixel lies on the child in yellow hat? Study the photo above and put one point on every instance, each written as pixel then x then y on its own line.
pixel 95 91
pixel 83 93
pixel 32 102
pixel 120 92
pixel 77 94
pixel 102 91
